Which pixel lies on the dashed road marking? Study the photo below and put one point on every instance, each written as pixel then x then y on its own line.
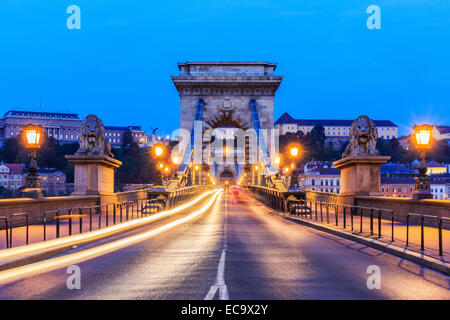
pixel 219 284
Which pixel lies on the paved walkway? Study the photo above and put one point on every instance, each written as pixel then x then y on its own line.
pixel 36 232
pixel 431 235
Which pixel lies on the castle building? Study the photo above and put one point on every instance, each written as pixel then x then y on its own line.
pixel 64 127
pixel 441 133
pixel 334 129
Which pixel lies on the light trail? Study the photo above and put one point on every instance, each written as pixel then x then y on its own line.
pixel 94 235
pixel 56 263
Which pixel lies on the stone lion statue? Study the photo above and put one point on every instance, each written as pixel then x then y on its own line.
pixel 92 137
pixel 363 138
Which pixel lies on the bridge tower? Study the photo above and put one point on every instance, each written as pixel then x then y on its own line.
pixel 225 97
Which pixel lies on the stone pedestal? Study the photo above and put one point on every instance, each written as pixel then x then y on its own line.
pixel 360 176
pixel 32 187
pixel 94 175
pixel 423 188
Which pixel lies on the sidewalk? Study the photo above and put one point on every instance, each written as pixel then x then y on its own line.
pixel 36 232
pixel 431 235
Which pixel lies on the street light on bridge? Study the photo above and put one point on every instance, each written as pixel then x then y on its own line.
pixel 294 152
pixel 422 188
pixel 159 150
pixel 277 161
pixel 176 160
pixel 32 180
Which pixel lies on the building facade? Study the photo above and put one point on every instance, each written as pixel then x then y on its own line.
pixel 440 187
pixel 320 176
pixel 64 127
pixel 397 187
pixel 53 181
pixel 334 129
pixel 114 135
pixel 11 175
pixel 441 132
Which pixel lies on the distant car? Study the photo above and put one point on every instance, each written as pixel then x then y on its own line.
pixel 159 188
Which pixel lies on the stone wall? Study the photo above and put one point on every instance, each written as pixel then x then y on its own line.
pixel 36 208
pixel 403 206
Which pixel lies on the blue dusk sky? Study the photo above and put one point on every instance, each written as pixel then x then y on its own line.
pixel 118 65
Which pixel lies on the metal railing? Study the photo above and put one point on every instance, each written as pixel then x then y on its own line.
pixel 134 195
pixel 26 215
pixel 375 217
pixel 99 216
pixel 68 221
pixel 5 220
pixel 276 199
pixel 319 196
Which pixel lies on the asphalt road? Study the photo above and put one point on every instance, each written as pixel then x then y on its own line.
pixel 237 250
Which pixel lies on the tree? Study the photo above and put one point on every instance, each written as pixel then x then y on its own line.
pixel 127 138
pixel 12 149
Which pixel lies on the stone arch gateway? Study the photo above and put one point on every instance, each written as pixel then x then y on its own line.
pixel 225 96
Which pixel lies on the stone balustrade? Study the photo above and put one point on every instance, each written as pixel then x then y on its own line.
pixel 36 207
pixel 402 206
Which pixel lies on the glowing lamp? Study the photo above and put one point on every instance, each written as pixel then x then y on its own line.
pixel 159 150
pixel 277 160
pixel 423 135
pixel 176 160
pixel 294 152
pixel 32 135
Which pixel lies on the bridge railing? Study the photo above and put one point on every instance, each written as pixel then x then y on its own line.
pixel 79 219
pixel 134 195
pixel 422 232
pixel 276 199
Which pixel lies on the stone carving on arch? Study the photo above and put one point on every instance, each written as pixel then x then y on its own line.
pixel 226 173
pixel 226 117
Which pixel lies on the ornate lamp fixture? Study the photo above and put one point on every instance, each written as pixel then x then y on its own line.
pixel 423 135
pixel 159 150
pixel 294 153
pixel 33 139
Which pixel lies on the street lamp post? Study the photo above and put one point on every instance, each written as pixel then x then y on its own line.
pixel 422 188
pixel 197 174
pixel 32 180
pixel 158 150
pixel 294 152
pixel 255 175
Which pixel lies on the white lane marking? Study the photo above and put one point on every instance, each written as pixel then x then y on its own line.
pixel 219 283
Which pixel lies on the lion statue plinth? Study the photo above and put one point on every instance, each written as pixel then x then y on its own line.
pixel 92 138
pixel 363 138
